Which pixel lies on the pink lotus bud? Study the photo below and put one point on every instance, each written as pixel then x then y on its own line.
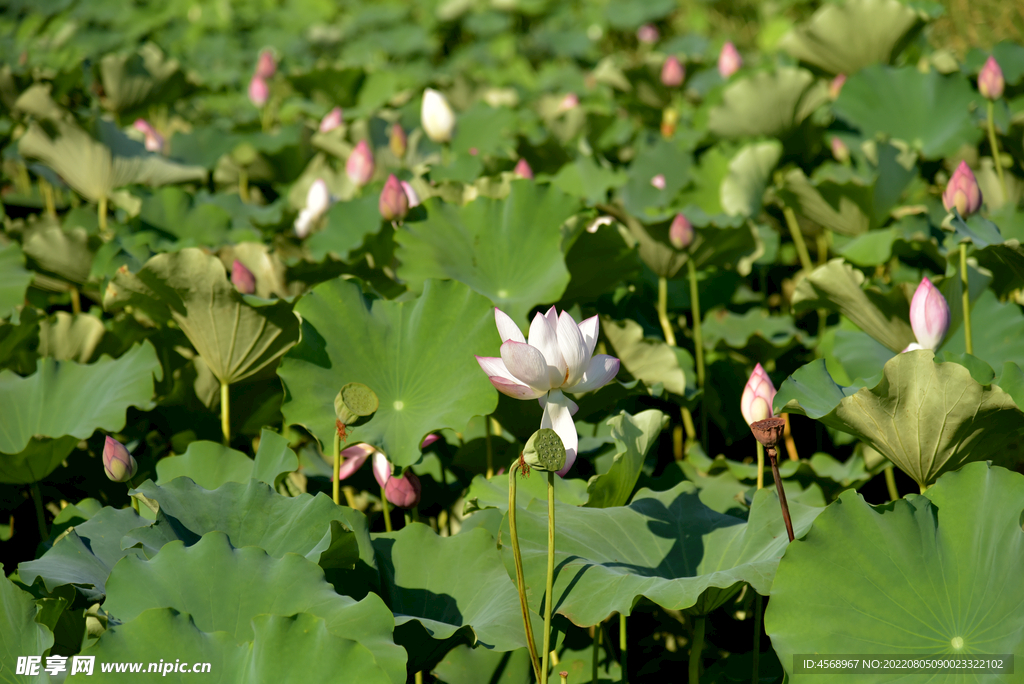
pixel 414 199
pixel 658 181
pixel 729 60
pixel 399 143
pixel 353 459
pixel 266 65
pixel 154 141
pixel 360 164
pixel 962 191
pixel 523 169
pixel 680 233
pixel 929 315
pixel 331 120
pixel 839 150
pixel 836 86
pixel 403 491
pixel 242 278
pixel 672 72
pixel 990 80
pixel 648 33
pixel 118 464
pixel 570 101
pixel 259 92
pixel 758 395
pixel 394 203
pixel 428 440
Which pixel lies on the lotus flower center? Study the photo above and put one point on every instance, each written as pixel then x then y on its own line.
pixel 957 643
pixel 399 405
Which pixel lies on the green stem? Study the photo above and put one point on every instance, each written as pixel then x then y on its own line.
pixel 822 241
pixel 76 300
pixel 698 347
pixel 760 466
pixel 622 647
pixel 890 484
pixel 243 184
pixel 696 648
pixel 225 413
pixel 46 190
pixel 37 498
pixel 758 610
pixel 995 149
pixel 520 580
pixel 387 510
pixel 490 448
pixel 101 213
pixel 966 298
pixel 597 653
pixel 549 593
pixel 666 324
pixel 419 677
pixel 337 468
pixel 135 502
pixel 798 239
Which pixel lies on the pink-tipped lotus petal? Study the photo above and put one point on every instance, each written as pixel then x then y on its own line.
pixel 410 194
pixel 523 169
pixel 602 370
pixel 495 366
pixel 331 120
pixel 507 328
pixel 353 459
pixel 403 491
pixel 659 181
pixel 544 337
pixel 381 468
pixel 514 388
pixel 729 60
pixel 558 417
pixel 428 440
pixel 572 347
pixel 590 328
pixel 527 364
pixel 242 278
pixel 834 88
pixel 929 315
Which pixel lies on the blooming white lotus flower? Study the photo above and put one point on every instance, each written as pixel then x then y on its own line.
pixel 437 116
pixel 559 357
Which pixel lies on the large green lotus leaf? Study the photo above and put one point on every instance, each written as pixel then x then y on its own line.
pixel 278 644
pixel 666 546
pixel 85 555
pixel 347 226
pixel 837 286
pixel 743 188
pixel 755 333
pixel 67 398
pixel 234 337
pixel 67 254
pixel 843 39
pixel 14 279
pixel 20 634
pixel 586 179
pixel 597 263
pixel 174 211
pixel 998 328
pixel 845 214
pixel 70 337
pixel 930 112
pixel 713 245
pixel 468 665
pixel 223 588
pixel 143 77
pixel 925 417
pixel 639 195
pixel 486 493
pixel 253 514
pixel 767 103
pixel 905 578
pixel 633 437
pixel 649 359
pixel 490 131
pixel 208 464
pixel 37 460
pixel 507 250
pixel 417 355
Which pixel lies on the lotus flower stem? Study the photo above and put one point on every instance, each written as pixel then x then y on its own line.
pixel 787 434
pixel 490 448
pixel 46 190
pixel 549 596
pixel 890 484
pixel 243 184
pixel 387 509
pixel 666 325
pixel 760 466
pixel 564 676
pixel 76 301
pixel 336 491
pixel 695 649
pixel 966 298
pixel 101 212
pixel 994 144
pixel 37 498
pixel 596 629
pixel 698 347
pixel 135 502
pixel 225 412
pixel 622 647
pixel 520 580
pixel 798 239
pixel 773 457
pixel 756 655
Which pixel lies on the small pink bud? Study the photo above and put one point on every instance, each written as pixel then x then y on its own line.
pixel 154 141
pixel 118 464
pixel 839 150
pixel 473 151
pixel 680 233
pixel 729 60
pixel 570 101
pixel 758 395
pixel 672 72
pixel 259 92
pixel 990 80
pixel 266 65
pixel 962 191
pixel 242 278
pixel 414 199
pixel 836 86
pixel 403 491
pixel 399 143
pixel 648 33
pixel 331 120
pixel 523 169
pixel 929 315
pixel 659 181
pixel 360 164
pixel 394 203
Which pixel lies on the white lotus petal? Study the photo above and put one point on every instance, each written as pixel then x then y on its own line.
pixel 558 417
pixel 573 348
pixel 590 329
pixel 544 337
pixel 600 372
pixel 494 366
pixel 381 468
pixel 526 364
pixel 507 328
pixel 515 389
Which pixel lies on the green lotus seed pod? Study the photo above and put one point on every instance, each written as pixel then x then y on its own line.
pixel 354 401
pixel 545 451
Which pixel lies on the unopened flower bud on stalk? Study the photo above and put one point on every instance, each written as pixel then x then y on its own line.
pixel 266 65
pixel 672 72
pixel 360 164
pixel 836 86
pixel 658 181
pixel 154 141
pixel 929 316
pixel 394 203
pixel 990 80
pixel 259 92
pixel 729 60
pixel 398 142
pixel 680 233
pixel 523 169
pixel 118 464
pixel 242 278
pixel 402 491
pixel 839 150
pixel 570 101
pixel 414 199
pixel 331 120
pixel 758 395
pixel 648 34
pixel 545 451
pixel 437 116
pixel 962 191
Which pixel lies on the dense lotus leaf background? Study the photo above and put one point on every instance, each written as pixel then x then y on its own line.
pixel 160 291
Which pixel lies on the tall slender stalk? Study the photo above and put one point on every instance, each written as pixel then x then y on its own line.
pixel 101 213
pixel 243 184
pixel 890 484
pixel 623 661
pixel 520 580
pixel 695 649
pixel 490 448
pixel 76 300
pixel 387 510
pixel 758 611
pixel 994 144
pixel 773 457
pixel 46 190
pixel 225 413
pixel 698 346
pixel 760 466
pixel 798 239
pixel 37 498
pixel 549 587
pixel 336 488
pixel 966 298
pixel 666 324
pixel 597 653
